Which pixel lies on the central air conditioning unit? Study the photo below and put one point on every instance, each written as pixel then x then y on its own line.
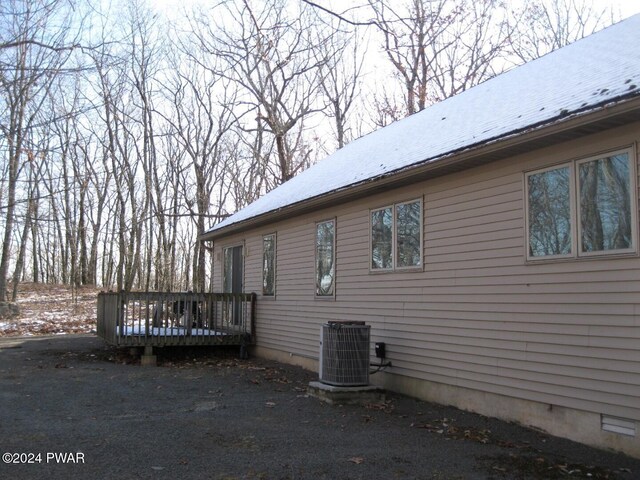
pixel 344 354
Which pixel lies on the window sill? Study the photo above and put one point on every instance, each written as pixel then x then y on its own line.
pixel 584 258
pixel 325 298
pixel 397 270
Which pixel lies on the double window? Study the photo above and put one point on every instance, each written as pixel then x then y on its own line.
pixel 396 236
pixel 582 208
pixel 325 258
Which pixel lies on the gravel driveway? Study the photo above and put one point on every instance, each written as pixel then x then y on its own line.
pixel 73 408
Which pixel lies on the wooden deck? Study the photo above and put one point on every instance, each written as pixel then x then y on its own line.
pixel 157 319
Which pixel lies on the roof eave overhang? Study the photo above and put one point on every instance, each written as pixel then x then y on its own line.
pixel 611 115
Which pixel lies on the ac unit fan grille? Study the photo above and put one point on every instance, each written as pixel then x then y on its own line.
pixel 344 356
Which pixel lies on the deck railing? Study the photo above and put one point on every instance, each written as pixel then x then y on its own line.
pixel 139 319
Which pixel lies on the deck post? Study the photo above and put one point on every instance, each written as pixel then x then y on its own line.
pixel 148 359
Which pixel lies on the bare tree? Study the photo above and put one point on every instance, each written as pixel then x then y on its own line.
pixel 145 51
pixel 341 66
pixel 34 37
pixel 268 51
pixel 386 108
pixel 542 26
pixel 474 48
pixel 413 34
pixel 26 229
pixel 439 48
pixel 96 180
pixel 200 121
pixel 123 163
pixel 252 174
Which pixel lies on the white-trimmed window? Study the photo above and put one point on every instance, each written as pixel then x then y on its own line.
pixel 582 208
pixel 269 265
pixel 396 236
pixel 325 258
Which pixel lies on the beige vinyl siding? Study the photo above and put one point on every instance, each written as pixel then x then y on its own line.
pixel 478 315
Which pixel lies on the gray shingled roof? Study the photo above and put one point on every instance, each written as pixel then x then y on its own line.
pixel 595 71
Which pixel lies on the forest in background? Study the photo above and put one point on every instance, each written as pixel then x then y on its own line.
pixel 125 133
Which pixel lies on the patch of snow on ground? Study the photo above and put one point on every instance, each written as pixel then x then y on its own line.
pixel 52 310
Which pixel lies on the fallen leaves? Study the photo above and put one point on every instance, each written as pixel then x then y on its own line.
pixel 356 460
pixel 387 406
pixel 537 466
pixel 445 427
